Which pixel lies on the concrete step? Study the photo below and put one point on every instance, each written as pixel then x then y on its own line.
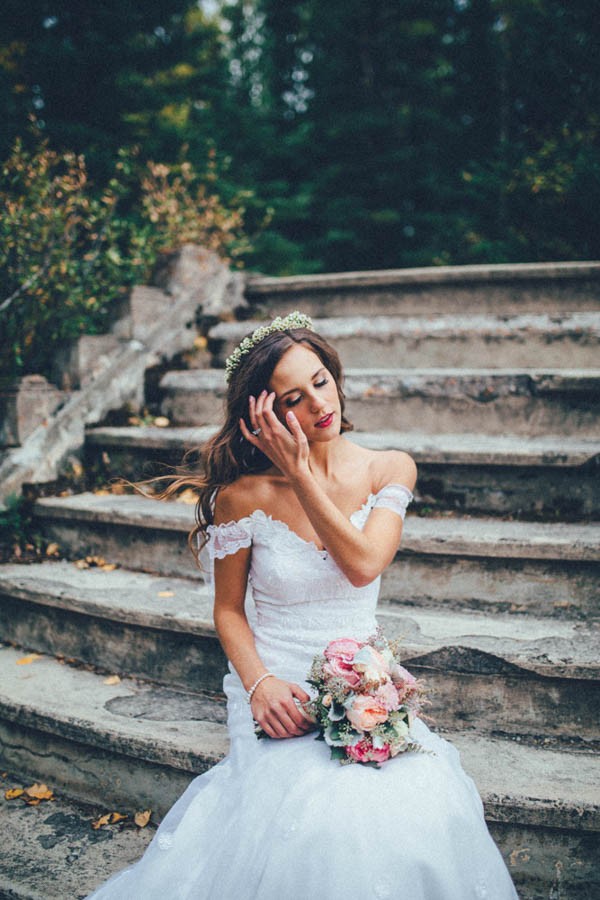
pixel 505 289
pixel 477 563
pixel 502 674
pixel 135 746
pixel 529 402
pixel 570 340
pixel 51 851
pixel 546 477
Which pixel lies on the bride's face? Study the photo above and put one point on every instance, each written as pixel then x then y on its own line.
pixel 303 384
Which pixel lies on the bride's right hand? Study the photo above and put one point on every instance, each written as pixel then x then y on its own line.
pixel 275 708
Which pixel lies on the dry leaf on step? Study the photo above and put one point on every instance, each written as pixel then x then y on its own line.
pixel 52 550
pixel 161 422
pixel 39 792
pixel 103 820
pixel 166 594
pixel 112 679
pixel 116 817
pixel 142 818
pixel 13 793
pixel 25 660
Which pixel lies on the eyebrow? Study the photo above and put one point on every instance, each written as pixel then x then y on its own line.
pixel 291 390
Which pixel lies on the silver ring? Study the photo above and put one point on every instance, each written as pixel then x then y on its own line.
pixel 256 431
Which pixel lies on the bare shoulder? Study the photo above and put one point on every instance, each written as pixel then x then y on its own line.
pixel 242 497
pixel 393 467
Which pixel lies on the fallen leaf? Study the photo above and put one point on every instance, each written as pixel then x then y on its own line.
pixel 39 792
pixel 52 550
pixel 108 567
pixel 17 551
pixel 116 817
pixel 77 468
pixel 103 820
pixel 200 343
pixel 142 818
pixel 95 560
pixel 101 492
pixel 32 801
pixel 25 660
pixel 13 793
pixel 166 594
pixel 134 420
pixel 112 679
pixel 80 564
pixel 162 422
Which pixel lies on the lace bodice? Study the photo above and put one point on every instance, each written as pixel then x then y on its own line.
pixel 300 597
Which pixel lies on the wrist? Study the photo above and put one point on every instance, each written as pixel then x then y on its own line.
pixel 252 689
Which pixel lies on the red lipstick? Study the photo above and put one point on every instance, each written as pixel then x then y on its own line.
pixel 325 422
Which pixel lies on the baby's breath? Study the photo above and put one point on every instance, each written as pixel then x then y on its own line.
pixel 295 319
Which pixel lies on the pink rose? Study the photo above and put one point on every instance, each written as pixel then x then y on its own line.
pixel 336 669
pixel 365 712
pixel 387 694
pixel 342 650
pixel 339 655
pixel 404 681
pixel 364 751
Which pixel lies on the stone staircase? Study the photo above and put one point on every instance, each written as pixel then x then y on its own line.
pixel 489 377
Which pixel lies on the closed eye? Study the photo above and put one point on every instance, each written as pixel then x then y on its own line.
pixel 293 401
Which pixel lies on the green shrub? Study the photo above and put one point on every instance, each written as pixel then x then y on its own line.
pixel 68 252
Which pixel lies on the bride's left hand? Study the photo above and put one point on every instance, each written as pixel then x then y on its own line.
pixel 288 450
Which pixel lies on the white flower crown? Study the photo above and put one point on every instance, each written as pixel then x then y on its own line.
pixel 295 319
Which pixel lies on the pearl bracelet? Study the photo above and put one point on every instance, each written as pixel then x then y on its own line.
pixel 256 684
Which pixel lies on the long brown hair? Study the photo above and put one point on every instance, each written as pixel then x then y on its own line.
pixel 228 455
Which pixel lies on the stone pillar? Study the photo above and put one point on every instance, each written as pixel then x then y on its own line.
pixel 25 403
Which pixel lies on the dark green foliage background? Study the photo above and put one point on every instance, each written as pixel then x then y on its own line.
pixel 372 133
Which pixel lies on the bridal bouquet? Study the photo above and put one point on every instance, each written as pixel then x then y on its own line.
pixel 366 701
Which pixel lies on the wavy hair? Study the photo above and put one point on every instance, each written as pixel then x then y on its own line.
pixel 228 455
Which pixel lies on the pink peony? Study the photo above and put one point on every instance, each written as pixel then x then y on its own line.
pixel 364 751
pixel 365 712
pixel 387 694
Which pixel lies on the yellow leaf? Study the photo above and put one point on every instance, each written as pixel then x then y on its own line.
pixel 200 343
pixel 39 792
pixel 13 793
pixel 33 801
pixel 142 818
pixel 25 660
pixel 166 594
pixel 112 679
pixel 80 564
pixel 95 560
pixel 108 567
pixel 162 422
pixel 52 550
pixel 116 817
pixel 103 820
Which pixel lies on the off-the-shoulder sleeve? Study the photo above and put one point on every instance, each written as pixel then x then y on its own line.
pixel 228 538
pixel 223 540
pixel 395 497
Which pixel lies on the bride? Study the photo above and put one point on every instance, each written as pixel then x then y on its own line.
pixel 308 520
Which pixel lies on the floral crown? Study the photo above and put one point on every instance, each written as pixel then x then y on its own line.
pixel 295 319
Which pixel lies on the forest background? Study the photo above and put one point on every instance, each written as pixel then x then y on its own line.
pixel 310 136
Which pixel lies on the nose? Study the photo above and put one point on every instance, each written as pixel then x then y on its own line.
pixel 316 401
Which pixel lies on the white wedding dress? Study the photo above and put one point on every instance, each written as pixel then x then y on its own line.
pixel 279 819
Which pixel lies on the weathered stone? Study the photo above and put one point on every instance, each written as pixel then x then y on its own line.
pixel 77 363
pixel 505 289
pixel 570 340
pixel 528 402
pixel 26 404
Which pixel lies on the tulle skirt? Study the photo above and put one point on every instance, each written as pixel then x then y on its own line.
pixel 280 819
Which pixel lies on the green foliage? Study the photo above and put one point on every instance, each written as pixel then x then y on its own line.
pixel 362 133
pixel 68 253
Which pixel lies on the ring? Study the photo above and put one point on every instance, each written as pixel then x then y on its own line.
pixel 256 431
